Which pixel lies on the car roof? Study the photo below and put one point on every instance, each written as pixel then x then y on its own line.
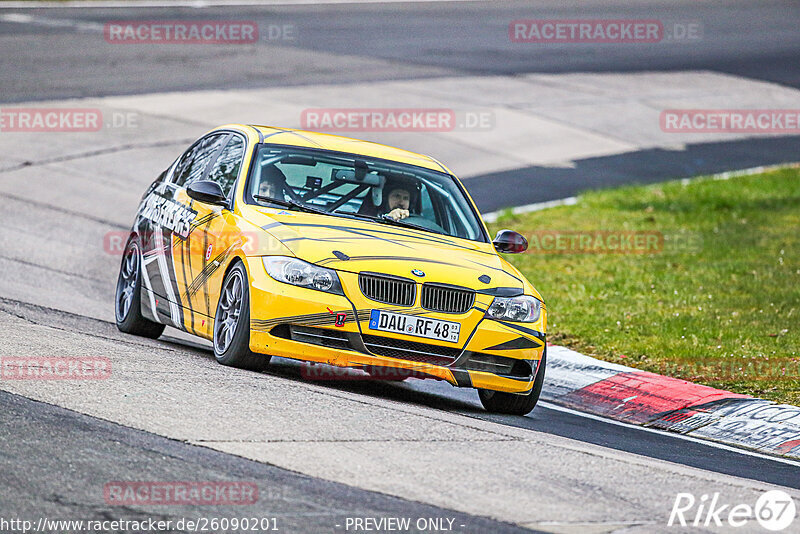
pixel 337 143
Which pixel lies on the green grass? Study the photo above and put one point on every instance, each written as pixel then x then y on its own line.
pixel 718 304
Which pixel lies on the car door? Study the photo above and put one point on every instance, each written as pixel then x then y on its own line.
pixel 168 220
pixel 209 247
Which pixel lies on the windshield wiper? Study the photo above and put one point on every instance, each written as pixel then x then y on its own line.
pixel 291 204
pixel 401 222
pixel 356 215
pixel 385 219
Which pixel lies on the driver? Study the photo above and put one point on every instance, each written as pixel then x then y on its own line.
pixel 272 183
pixel 398 203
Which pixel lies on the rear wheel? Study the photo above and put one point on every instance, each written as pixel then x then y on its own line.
pixel 128 301
pixel 512 403
pixel 232 324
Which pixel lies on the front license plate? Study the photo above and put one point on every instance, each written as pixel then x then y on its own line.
pixel 414 326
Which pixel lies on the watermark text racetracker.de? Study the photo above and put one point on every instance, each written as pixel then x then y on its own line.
pixel 774 510
pixel 784 121
pixel 203 493
pixel 323 372
pixel 611 242
pixel 214 32
pixel 195 242
pixel 54 368
pixel 604 31
pixel 396 119
pixel 41 119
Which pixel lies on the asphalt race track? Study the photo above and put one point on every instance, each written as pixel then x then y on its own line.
pixel 755 41
pixel 371 42
pixel 324 453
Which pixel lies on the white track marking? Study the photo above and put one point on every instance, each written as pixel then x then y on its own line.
pixel 537 206
pixel 551 406
pixel 24 18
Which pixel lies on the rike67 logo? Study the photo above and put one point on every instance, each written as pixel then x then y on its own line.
pixel 774 510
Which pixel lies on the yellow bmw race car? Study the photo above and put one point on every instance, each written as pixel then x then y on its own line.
pixel 277 242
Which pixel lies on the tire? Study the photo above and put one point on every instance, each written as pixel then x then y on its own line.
pixel 128 296
pixel 511 403
pixel 232 324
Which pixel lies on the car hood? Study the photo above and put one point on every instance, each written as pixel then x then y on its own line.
pixel 355 246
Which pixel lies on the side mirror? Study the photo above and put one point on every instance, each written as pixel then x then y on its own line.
pixel 208 192
pixel 510 242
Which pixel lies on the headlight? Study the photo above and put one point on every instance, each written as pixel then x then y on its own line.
pixel 523 309
pixel 301 273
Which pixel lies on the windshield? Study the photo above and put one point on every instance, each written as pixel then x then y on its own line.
pixel 349 185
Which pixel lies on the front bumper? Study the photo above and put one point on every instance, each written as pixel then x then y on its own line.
pixel 314 326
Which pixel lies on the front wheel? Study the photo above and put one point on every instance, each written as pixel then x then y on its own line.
pixel 512 403
pixel 128 298
pixel 232 324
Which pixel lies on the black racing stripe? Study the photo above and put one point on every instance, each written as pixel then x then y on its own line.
pixel 280 131
pixel 191 270
pixel 276 321
pixel 186 251
pixel 173 278
pixel 271 225
pixel 491 267
pixel 409 311
pixel 187 247
pixel 516 344
pixel 283 131
pixel 403 258
pixel 258 131
pixel 325 239
pixel 464 356
pixel 405 235
pixel 402 235
pixel 330 319
pixel 352 231
pixel 496 269
pixel 301 136
pixel 197 223
pixel 502 291
pixel 296 319
pixel 519 328
pixel 347 239
pixel 208 270
pixel 315 319
pixel 205 266
pixel 266 326
pixel 426 236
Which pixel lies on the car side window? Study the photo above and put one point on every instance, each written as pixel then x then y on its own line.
pixel 226 168
pixel 427 204
pixel 194 162
pixel 183 162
